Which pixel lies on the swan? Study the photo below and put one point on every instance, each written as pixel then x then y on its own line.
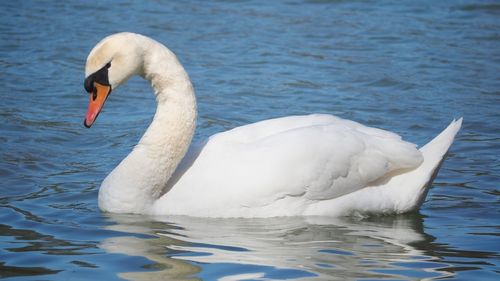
pixel 313 165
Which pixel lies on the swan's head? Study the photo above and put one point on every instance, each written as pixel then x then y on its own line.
pixel 110 63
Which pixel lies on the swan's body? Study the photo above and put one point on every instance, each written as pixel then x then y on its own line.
pixel 299 165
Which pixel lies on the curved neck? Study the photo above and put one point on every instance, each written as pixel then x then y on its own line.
pixel 174 122
pixel 168 137
pixel 142 176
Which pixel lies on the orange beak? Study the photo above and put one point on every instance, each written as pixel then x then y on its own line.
pixel 97 99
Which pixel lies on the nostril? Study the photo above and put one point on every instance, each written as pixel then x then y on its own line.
pixel 94 94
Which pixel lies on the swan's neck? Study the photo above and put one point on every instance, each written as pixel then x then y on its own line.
pixel 141 177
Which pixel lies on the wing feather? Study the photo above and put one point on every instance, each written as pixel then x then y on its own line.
pixel 319 157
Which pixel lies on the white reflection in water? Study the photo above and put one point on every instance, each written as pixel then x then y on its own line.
pixel 278 248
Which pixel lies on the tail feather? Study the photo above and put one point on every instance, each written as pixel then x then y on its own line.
pixel 441 143
pixel 417 182
pixel 434 153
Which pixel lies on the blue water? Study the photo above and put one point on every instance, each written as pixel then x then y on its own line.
pixel 406 66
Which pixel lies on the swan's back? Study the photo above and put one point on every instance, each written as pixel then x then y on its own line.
pixel 307 158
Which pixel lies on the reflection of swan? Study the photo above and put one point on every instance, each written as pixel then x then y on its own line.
pixel 299 165
pixel 152 249
pixel 329 249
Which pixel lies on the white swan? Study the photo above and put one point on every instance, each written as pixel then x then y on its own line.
pixel 318 165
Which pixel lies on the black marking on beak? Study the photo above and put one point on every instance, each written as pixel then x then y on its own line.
pixel 100 76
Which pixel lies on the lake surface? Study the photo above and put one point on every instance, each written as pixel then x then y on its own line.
pixel 406 66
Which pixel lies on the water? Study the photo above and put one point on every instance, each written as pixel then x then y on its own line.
pixel 405 66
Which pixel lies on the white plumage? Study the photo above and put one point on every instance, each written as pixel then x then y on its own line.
pixel 298 165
